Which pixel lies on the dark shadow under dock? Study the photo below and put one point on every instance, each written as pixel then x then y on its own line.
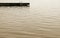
pixel 15 4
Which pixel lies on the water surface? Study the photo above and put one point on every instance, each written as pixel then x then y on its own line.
pixel 25 22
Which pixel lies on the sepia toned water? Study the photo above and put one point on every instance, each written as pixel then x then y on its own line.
pixel 26 22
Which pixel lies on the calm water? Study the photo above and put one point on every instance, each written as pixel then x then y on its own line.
pixel 25 22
